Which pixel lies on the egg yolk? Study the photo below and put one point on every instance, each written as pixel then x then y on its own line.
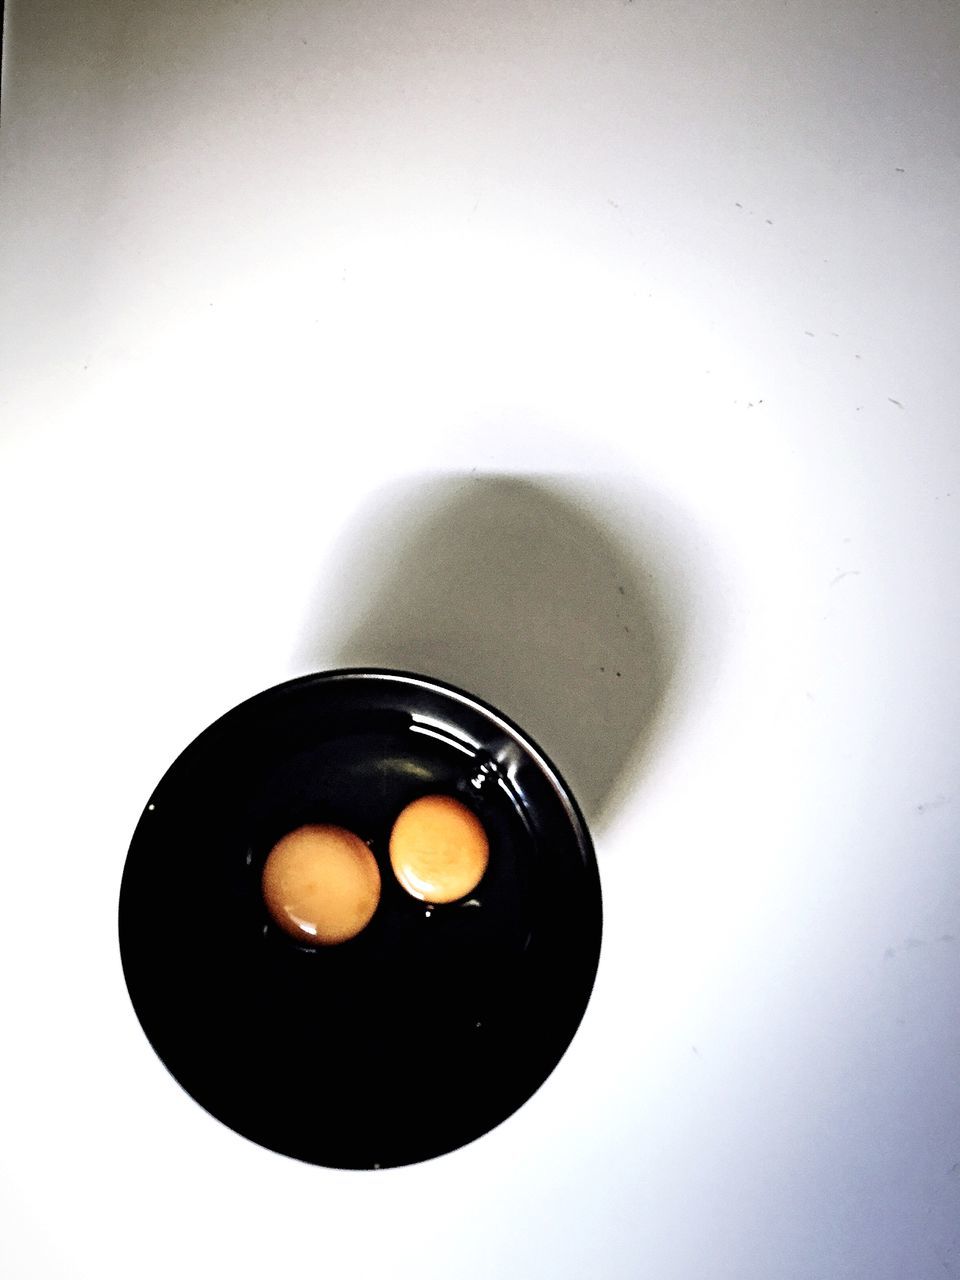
pixel 321 884
pixel 438 849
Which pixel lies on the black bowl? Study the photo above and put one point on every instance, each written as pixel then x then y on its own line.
pixel 435 1023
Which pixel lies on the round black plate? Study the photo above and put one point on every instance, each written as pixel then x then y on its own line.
pixel 433 1024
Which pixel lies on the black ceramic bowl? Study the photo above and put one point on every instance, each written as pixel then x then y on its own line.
pixel 431 1026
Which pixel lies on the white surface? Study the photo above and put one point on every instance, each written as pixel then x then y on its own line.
pixel 262 261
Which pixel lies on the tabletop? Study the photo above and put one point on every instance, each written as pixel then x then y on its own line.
pixel 600 358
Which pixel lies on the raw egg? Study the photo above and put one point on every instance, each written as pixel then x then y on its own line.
pixel 321 884
pixel 438 849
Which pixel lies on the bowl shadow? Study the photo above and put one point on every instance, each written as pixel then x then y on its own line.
pixel 563 603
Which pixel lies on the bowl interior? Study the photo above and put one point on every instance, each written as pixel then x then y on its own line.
pixel 432 1025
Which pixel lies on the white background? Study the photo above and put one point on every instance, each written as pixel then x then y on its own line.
pixel 693 264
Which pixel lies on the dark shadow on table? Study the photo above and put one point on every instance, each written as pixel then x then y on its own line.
pixel 522 591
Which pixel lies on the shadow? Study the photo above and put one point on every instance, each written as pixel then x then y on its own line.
pixel 517 589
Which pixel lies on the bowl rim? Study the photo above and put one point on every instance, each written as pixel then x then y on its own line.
pixel 416 679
